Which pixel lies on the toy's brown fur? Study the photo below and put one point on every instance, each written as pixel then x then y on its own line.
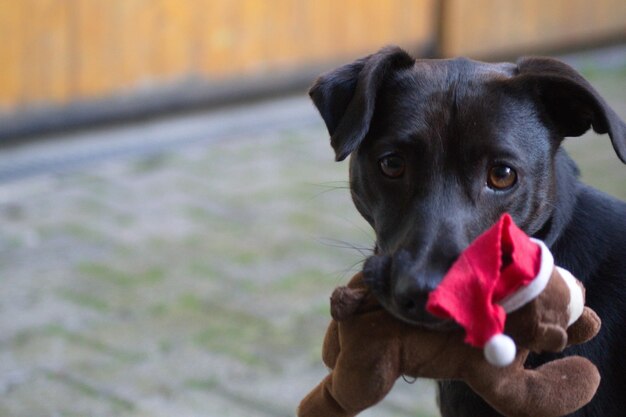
pixel 368 349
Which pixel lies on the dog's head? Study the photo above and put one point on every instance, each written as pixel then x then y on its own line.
pixel 441 148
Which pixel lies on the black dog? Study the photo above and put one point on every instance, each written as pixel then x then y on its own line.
pixel 441 148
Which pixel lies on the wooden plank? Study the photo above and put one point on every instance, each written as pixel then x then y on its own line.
pixel 282 34
pixel 135 44
pixel 318 27
pixel 95 48
pixel 170 38
pixel 45 58
pixel 379 23
pixel 415 22
pixel 354 36
pixel 220 35
pixel 11 79
pixel 252 36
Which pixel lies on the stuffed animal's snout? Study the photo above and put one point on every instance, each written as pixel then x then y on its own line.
pixel 344 302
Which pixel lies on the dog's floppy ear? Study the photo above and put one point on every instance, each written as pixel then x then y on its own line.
pixel 571 104
pixel 345 97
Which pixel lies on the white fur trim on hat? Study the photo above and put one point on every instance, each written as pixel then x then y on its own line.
pixel 500 350
pixel 531 291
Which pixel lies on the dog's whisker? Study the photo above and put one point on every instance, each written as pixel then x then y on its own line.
pixel 350 270
pixel 340 244
pixel 320 193
pixel 367 233
pixel 328 187
pixel 328 183
pixel 331 185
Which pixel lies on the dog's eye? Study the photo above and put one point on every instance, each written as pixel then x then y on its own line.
pixel 501 177
pixel 392 166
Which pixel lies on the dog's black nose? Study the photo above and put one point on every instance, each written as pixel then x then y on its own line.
pixel 402 286
pixel 409 297
pixel 412 305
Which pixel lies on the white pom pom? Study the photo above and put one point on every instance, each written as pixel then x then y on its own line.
pixel 500 350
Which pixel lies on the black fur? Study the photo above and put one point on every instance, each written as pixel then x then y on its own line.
pixel 450 121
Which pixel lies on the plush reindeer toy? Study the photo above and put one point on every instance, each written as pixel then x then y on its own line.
pixel 508 299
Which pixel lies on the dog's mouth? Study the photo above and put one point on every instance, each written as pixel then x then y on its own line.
pixel 400 294
pixel 436 324
pixel 424 320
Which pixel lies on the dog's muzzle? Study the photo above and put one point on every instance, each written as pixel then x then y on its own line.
pixel 402 287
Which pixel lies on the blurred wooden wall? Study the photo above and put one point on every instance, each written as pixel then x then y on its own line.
pixel 59 51
pixel 496 27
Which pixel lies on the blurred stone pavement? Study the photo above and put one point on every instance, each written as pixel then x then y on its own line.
pixel 182 266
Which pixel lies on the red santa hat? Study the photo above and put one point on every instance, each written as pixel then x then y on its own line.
pixel 498 273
